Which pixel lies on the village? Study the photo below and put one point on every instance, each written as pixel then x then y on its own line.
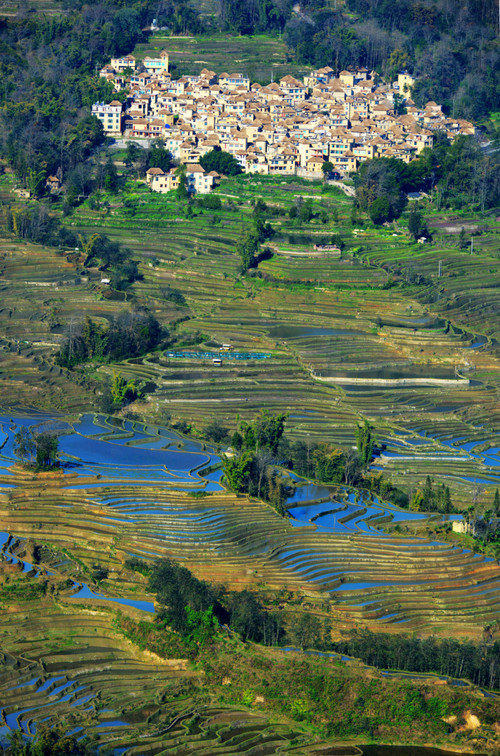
pixel 285 128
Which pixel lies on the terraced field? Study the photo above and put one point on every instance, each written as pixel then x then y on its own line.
pixel 344 342
pixel 105 508
pixel 344 339
pixel 260 56
pixel 134 489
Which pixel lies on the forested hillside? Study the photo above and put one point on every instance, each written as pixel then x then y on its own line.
pixel 48 63
pixel 47 70
pixel 452 44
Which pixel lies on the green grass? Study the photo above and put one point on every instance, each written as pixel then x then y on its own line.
pixel 259 56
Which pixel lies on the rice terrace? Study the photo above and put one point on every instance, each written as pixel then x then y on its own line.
pixel 249 428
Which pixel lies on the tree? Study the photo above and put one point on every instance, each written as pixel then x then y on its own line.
pixel 352 467
pixel 380 211
pixel 220 161
pixel 463 242
pixel 182 190
pixel 201 625
pixel 416 223
pixel 246 616
pixel 111 180
pixel 327 169
pixel 49 741
pixel 158 157
pixel 307 631
pixel 46 451
pixel 236 470
pixel 38 450
pixel 417 501
pixel 132 155
pixel 123 391
pixel 365 442
pixel 216 432
pixel 269 430
pixel 328 463
pixel 35 181
pixel 248 249
pixel 24 446
pixel 236 440
pixel 496 503
pixel 399 106
pixel 188 603
pixel 382 183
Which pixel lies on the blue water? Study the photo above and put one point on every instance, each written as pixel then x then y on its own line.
pixel 86 593
pixel 95 452
pixel 25 685
pixel 48 683
pixel 309 492
pixel 114 723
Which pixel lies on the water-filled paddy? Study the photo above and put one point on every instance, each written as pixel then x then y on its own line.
pixel 298 332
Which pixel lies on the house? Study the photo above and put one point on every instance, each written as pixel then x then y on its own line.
pixel 233 81
pixel 199 182
pixel 270 129
pixel 53 184
pixel 315 165
pixel 110 116
pixel 332 249
pixel 159 181
pixel 121 64
pixel 156 65
pixel 405 81
pixel 293 90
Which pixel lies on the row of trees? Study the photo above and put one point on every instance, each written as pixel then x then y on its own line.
pixel 49 741
pixel 260 447
pixel 432 498
pixel 249 246
pixel 130 334
pixel 196 609
pixel 478 662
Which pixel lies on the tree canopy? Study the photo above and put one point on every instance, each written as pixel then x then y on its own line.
pixel 220 161
pixel 37 448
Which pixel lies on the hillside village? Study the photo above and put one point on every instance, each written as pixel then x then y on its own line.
pixel 285 128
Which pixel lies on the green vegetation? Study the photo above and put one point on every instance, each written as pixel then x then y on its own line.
pixel 436 42
pixel 220 161
pixel 449 657
pixel 48 741
pixel 131 334
pixel 462 174
pixel 37 449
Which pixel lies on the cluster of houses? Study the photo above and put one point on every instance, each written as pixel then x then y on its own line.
pixel 286 128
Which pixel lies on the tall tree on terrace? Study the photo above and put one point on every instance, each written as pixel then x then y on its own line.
pixel 365 442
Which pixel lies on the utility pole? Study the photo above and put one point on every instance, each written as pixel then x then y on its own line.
pixel 472 238
pixel 439 268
